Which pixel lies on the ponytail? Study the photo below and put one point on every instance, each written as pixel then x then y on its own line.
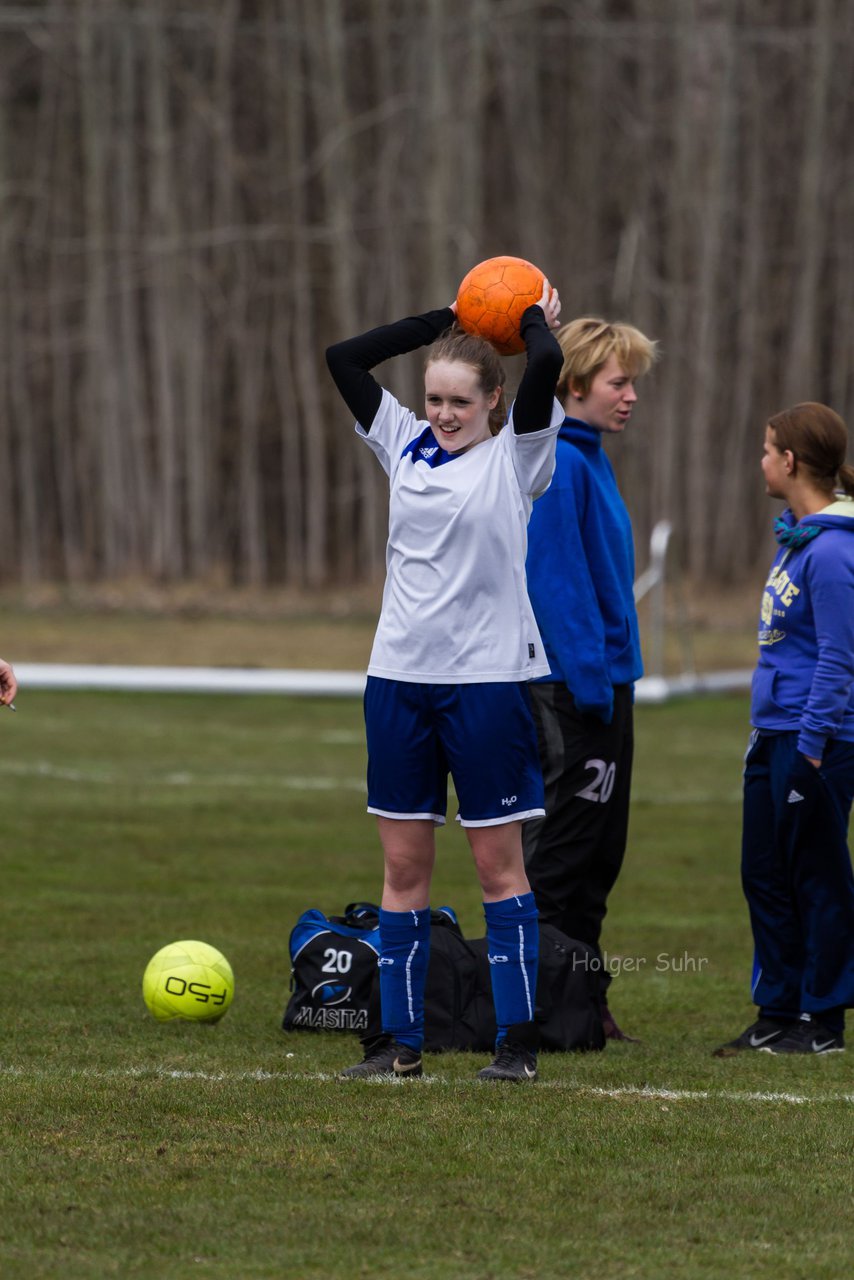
pixel 818 439
pixel 498 415
pixel 846 479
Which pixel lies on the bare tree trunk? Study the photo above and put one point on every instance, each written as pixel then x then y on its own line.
pixel 131 391
pixel 101 405
pixel 302 401
pixel 465 117
pixel 163 232
pixel 739 475
pixel 837 324
pixel 218 268
pixel 25 437
pixel 199 419
pixel 799 373
pixel 675 417
pixel 342 190
pixel 714 63
pixel 249 357
pixel 439 109
pixel 54 159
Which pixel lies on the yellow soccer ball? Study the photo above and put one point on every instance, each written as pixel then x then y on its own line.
pixel 188 980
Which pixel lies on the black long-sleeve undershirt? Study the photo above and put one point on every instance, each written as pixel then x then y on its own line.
pixel 350 363
pixel 532 410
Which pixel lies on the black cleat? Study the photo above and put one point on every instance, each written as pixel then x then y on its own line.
pixel 511 1062
pixel 388 1058
pixel 612 1029
pixel 516 1056
pixel 808 1037
pixel 760 1035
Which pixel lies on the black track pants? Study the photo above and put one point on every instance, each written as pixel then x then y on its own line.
pixel 573 855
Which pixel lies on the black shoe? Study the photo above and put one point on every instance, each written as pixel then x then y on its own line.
pixel 612 1029
pixel 808 1036
pixel 387 1058
pixel 761 1034
pixel 516 1056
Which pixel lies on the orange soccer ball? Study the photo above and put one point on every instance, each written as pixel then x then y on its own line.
pixel 492 297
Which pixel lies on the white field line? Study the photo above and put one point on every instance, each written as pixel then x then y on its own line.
pixel 643 1092
pixel 701 1095
pixel 181 778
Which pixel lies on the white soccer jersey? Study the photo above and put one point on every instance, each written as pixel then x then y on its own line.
pixel 455 605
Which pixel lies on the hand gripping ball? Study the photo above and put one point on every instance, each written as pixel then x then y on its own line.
pixel 188 980
pixel 492 298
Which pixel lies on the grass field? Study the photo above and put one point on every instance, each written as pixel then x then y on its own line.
pixel 166 1151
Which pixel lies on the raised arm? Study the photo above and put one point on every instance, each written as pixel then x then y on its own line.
pixel 532 409
pixel 350 361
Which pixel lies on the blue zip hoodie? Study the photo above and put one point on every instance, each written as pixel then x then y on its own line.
pixel 804 680
pixel 581 570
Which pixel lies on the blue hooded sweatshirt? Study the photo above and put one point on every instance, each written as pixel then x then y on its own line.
pixel 804 680
pixel 581 570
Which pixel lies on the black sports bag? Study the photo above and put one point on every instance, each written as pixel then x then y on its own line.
pixel 335 983
pixel 458 1008
pixel 334 979
pixel 333 969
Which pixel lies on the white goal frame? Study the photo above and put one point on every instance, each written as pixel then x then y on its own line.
pixel 654 687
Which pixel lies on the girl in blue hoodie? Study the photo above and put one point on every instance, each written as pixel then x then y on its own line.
pixel 799 767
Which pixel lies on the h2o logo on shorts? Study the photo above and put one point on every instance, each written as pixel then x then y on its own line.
pixel 600 788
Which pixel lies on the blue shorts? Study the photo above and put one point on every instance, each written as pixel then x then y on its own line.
pixel 482 734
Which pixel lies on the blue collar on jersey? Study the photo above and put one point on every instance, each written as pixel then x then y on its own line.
pixel 424 448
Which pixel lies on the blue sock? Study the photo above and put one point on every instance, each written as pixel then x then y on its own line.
pixel 404 952
pixel 513 939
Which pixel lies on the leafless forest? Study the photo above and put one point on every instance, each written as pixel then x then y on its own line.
pixel 197 197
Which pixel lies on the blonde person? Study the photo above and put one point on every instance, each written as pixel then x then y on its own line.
pixel 455 647
pixel 581 569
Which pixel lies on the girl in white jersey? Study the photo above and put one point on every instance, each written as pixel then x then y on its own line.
pixel 455 645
